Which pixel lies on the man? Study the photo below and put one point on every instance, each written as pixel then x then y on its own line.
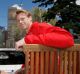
pixel 41 33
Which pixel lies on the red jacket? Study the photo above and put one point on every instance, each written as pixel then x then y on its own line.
pixel 46 34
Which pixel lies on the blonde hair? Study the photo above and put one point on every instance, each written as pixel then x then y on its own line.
pixel 23 11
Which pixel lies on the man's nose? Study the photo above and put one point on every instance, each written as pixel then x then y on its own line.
pixel 20 21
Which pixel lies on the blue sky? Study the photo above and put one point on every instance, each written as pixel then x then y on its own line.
pixel 5 4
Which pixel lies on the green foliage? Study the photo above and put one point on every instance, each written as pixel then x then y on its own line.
pixel 68 9
pixel 69 25
pixel 53 22
pixel 38 14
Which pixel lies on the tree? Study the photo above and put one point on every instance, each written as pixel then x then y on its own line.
pixel 37 14
pixel 68 9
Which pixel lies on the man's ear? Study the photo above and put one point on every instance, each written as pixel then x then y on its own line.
pixel 30 17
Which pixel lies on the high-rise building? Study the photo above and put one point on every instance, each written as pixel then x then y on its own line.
pixel 1 36
pixel 11 25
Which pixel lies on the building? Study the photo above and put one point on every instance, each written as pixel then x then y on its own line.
pixel 1 36
pixel 11 25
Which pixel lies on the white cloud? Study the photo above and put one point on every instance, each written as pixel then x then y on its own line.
pixel 55 0
pixel 17 6
pixel 78 2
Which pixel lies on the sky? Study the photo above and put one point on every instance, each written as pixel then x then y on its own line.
pixel 6 4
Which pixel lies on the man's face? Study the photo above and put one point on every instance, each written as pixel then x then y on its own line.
pixel 23 21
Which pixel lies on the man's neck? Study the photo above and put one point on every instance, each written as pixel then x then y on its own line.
pixel 27 30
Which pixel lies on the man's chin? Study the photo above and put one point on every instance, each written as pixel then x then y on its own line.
pixel 22 28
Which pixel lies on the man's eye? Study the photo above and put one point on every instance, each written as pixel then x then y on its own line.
pixel 22 19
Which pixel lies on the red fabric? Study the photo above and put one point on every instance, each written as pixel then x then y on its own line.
pixel 46 34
